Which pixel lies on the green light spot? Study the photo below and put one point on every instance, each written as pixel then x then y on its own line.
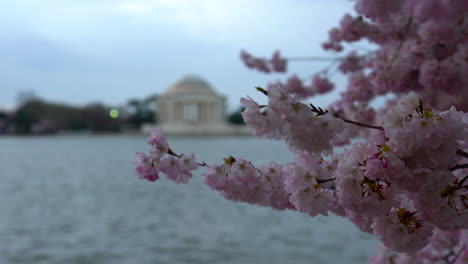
pixel 114 113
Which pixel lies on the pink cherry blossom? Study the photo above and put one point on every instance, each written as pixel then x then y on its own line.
pixel 145 167
pixel 158 142
pixel 401 124
pixel 402 231
pixel 178 169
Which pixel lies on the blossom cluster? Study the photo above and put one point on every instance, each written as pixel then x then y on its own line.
pixel 422 45
pixel 161 159
pixel 444 247
pixel 401 189
pixel 301 128
pixel 275 64
pixel 402 172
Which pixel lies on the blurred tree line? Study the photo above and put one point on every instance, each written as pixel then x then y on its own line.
pixel 37 116
pixel 142 111
pixel 236 117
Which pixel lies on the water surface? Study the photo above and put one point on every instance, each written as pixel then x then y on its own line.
pixel 74 199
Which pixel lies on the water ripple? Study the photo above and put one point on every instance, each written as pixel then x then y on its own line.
pixel 75 200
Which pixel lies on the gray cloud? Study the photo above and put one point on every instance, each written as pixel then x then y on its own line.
pixel 81 51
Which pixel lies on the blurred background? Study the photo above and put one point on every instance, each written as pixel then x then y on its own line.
pixel 80 83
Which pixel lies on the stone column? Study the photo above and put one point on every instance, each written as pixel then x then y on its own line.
pixel 170 110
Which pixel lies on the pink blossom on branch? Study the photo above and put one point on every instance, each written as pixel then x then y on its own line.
pixel 178 169
pixel 406 179
pixel 145 167
pixel 275 64
pixel 321 84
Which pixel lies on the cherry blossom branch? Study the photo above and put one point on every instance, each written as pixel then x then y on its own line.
pixel 320 111
pixel 462 153
pixel 460 184
pixel 172 153
pixel 360 124
pixel 263 91
pixel 412 50
pixel 459 166
pixel 320 181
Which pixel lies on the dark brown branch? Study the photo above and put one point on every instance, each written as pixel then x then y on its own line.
pixel 172 153
pixel 459 166
pixel 361 124
pixel 460 184
pixel 462 153
pixel 319 111
pixel 263 91
pixel 320 181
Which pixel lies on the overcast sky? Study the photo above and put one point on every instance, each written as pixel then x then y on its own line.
pixel 82 51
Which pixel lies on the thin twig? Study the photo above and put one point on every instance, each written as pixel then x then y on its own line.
pixel 460 184
pixel 361 124
pixel 462 153
pixel 319 111
pixel 172 153
pixel 325 180
pixel 263 91
pixel 459 166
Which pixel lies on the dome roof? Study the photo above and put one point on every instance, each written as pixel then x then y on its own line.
pixel 190 84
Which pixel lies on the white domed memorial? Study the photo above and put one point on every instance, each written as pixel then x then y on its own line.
pixel 191 107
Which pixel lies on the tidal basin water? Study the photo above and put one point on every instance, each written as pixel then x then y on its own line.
pixel 74 199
